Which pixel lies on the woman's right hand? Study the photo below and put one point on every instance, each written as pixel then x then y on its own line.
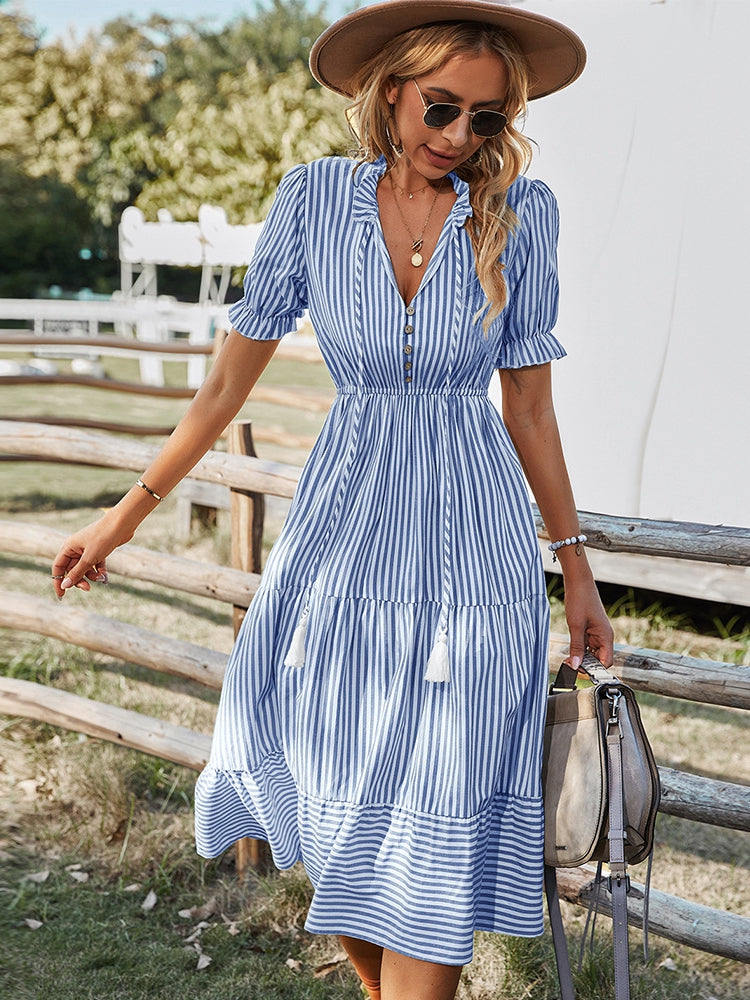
pixel 82 558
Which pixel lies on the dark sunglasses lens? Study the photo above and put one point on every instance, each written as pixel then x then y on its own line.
pixel 440 115
pixel 488 123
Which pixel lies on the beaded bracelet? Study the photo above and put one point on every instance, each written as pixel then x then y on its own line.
pixel 576 540
pixel 153 493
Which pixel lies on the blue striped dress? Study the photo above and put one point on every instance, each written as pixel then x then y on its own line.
pixel 409 555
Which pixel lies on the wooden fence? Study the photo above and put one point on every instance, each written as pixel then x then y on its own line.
pixel 723 803
pixel 93 343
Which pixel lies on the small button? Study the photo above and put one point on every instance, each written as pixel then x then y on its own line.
pixel 407 366
pixel 410 310
pixel 407 349
pixel 408 378
pixel 408 329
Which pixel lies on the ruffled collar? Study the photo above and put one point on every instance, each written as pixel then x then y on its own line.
pixel 365 205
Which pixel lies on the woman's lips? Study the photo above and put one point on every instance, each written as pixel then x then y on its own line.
pixel 439 159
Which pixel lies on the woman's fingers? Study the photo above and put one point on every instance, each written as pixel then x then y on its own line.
pixel 76 568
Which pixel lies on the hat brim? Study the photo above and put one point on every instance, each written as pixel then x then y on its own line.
pixel 555 54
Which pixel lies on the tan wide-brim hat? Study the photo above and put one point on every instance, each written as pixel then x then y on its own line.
pixel 555 54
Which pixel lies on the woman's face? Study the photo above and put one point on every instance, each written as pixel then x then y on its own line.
pixel 473 82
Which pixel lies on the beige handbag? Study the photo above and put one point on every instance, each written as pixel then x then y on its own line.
pixel 575 779
pixel 601 794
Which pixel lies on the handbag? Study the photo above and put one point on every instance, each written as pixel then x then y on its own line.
pixel 601 794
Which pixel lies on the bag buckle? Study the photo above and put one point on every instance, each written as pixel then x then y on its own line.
pixel 613 697
pixel 619 878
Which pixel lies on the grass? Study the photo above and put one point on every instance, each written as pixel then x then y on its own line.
pixel 94 939
pixel 125 818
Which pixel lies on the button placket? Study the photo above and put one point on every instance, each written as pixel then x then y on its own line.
pixel 408 347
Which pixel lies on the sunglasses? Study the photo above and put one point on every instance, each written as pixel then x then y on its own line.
pixel 484 123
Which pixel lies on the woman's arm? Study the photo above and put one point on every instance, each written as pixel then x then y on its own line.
pixel 237 368
pixel 529 415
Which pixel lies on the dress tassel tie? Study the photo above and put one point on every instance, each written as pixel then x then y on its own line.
pixel 296 655
pixel 438 666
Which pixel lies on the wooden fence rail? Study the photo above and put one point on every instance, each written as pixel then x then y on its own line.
pixel 107 722
pixel 706 800
pixel 728 545
pixel 689 796
pixel 701 927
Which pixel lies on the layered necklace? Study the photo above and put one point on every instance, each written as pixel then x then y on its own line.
pixel 416 241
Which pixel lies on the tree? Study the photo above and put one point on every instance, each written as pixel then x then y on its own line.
pixel 162 113
pixel 18 105
pixel 45 228
pixel 233 153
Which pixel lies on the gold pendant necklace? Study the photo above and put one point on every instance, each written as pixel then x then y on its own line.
pixel 410 194
pixel 416 242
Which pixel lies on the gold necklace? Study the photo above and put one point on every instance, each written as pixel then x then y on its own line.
pixel 409 194
pixel 416 242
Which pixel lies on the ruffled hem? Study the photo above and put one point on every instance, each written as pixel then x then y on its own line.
pixel 418 884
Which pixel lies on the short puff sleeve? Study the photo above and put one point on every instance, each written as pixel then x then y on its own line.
pixel 531 277
pixel 275 286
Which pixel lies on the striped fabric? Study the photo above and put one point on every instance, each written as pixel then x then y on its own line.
pixel 414 805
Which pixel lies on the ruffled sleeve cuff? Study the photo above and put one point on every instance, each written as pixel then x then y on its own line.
pixel 258 327
pixel 536 350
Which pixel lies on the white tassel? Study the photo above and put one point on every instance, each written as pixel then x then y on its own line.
pixel 437 665
pixel 296 655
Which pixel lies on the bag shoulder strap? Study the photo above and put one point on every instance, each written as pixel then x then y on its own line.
pixel 562 958
pixel 618 880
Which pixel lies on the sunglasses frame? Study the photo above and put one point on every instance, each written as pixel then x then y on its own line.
pixel 459 111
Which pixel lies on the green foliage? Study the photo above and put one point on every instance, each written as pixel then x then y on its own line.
pixel 234 152
pixel 159 113
pixel 45 226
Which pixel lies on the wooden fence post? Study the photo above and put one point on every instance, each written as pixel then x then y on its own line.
pixel 247 516
pixel 248 512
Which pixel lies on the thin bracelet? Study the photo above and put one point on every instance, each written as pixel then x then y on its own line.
pixel 153 493
pixel 577 540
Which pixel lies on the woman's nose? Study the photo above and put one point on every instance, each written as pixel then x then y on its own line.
pixel 459 130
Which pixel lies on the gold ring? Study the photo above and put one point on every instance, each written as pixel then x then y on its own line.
pixel 61 577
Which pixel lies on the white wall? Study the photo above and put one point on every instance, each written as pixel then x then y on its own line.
pixel 649 155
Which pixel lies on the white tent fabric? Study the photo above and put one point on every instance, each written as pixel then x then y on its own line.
pixel 649 156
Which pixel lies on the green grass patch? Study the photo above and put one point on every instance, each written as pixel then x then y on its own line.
pixel 104 938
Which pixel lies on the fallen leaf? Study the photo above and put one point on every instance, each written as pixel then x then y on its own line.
pixel 196 932
pixel 327 967
pixel 203 962
pixel 232 928
pixel 205 911
pixel 668 964
pixel 149 902
pixel 185 914
pixel 33 924
pixel 133 887
pixel 38 876
pixel 73 868
pixel 292 963
pixel 27 787
pixel 79 876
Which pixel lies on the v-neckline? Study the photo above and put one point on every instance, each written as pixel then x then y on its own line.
pixel 427 268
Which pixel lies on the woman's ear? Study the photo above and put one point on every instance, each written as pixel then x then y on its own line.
pixel 392 91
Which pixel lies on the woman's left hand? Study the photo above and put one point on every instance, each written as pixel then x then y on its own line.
pixel 588 623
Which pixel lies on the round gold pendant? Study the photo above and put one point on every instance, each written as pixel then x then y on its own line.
pixel 416 259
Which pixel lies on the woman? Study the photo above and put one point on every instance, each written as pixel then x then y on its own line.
pixel 382 714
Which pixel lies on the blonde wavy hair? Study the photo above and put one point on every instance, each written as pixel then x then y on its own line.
pixel 425 50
